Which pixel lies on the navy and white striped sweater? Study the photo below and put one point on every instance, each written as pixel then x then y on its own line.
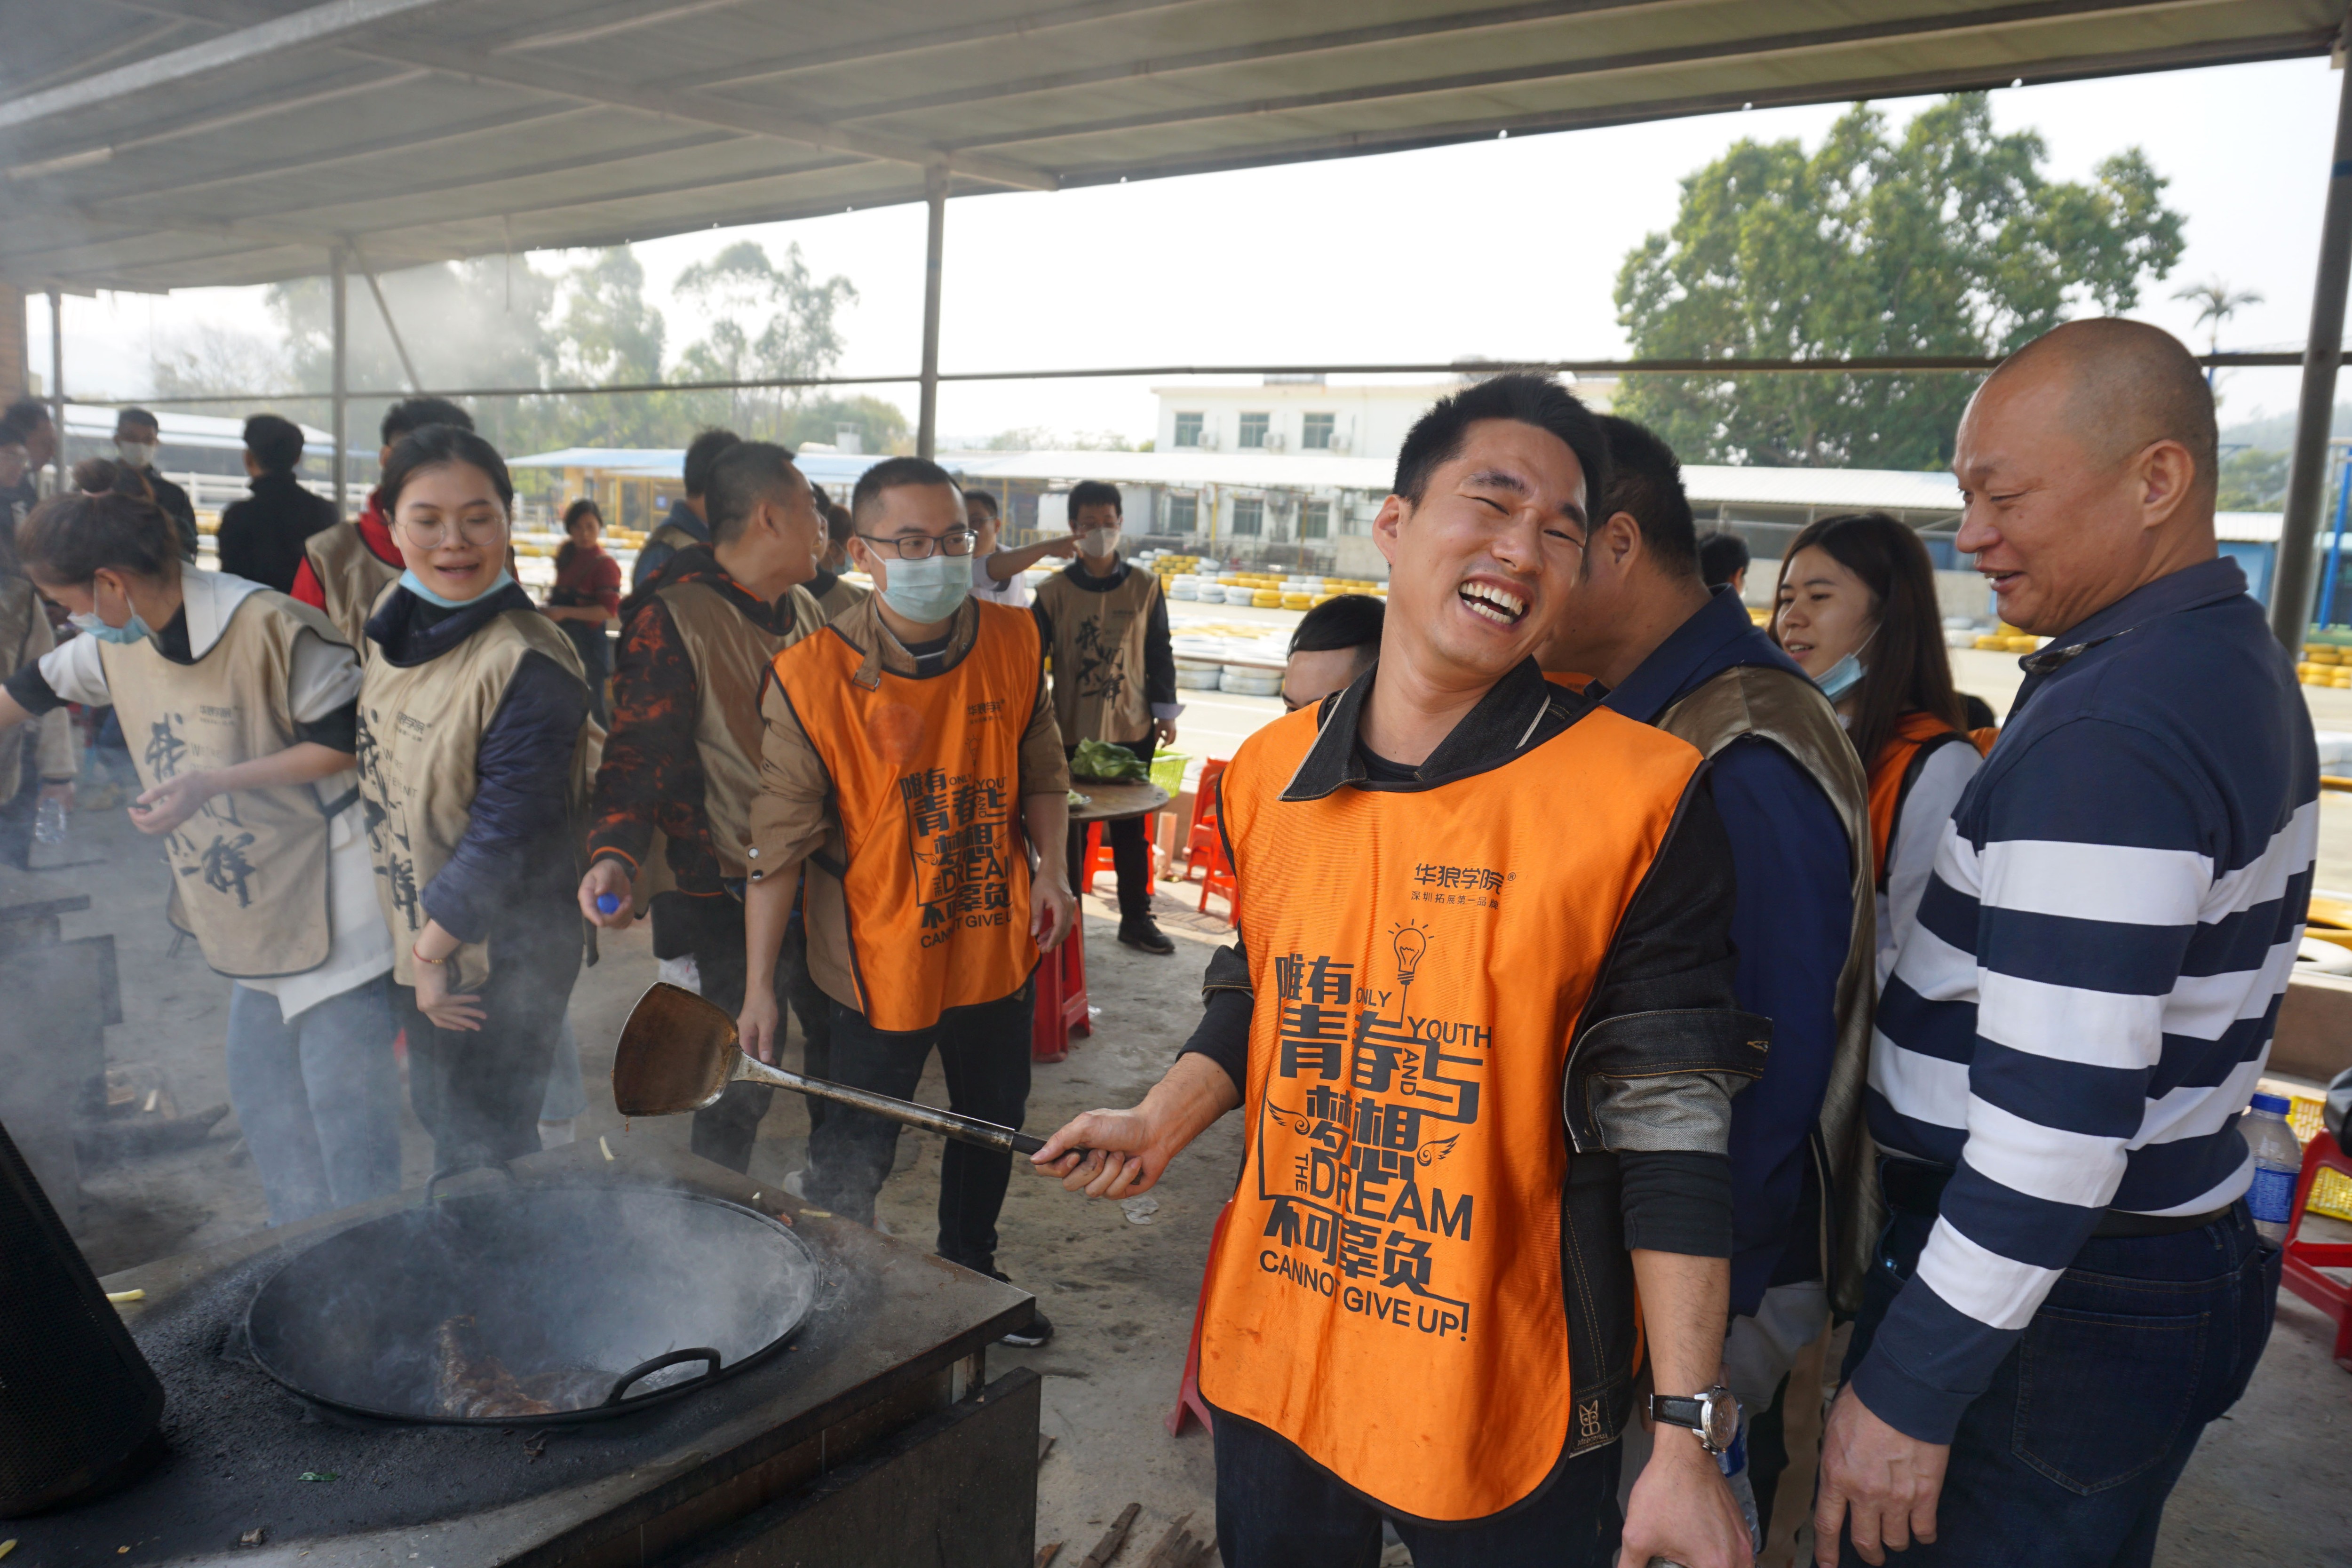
pixel 2089 997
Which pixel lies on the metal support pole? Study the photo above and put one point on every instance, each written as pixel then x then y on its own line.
pixel 2315 411
pixel 342 356
pixel 57 386
pixel 926 424
pixel 2336 545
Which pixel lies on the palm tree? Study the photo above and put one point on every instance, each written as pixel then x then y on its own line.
pixel 2216 302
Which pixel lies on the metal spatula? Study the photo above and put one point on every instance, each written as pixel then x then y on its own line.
pixel 678 1052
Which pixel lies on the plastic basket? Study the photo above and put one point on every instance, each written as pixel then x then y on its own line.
pixel 2331 1195
pixel 2307 1118
pixel 1168 771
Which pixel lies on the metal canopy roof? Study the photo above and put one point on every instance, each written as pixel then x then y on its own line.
pixel 165 144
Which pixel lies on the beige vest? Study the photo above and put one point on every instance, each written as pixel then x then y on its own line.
pixel 420 736
pixel 730 658
pixel 1791 712
pixel 249 869
pixel 1098 656
pixel 351 576
pixel 25 636
pixel 840 597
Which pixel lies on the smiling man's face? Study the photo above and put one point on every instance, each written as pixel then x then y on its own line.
pixel 1479 564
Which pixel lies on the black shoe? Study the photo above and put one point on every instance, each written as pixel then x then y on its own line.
pixel 1143 931
pixel 1035 1333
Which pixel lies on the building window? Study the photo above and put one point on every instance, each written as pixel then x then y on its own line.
pixel 1315 431
pixel 1315 518
pixel 1188 429
pixel 1183 514
pixel 1253 428
pixel 1249 517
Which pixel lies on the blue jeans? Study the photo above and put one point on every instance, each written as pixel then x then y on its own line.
pixel 1278 1509
pixel 318 1098
pixel 2067 1459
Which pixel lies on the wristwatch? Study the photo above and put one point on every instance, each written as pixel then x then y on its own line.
pixel 1712 1413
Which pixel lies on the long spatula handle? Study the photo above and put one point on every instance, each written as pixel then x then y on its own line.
pixel 947 1123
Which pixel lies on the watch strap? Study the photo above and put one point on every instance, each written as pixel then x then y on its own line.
pixel 1678 1410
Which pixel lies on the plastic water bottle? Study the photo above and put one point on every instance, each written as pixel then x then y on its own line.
pixel 49 822
pixel 2278 1165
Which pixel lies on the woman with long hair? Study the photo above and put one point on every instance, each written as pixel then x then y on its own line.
pixel 1857 611
pixel 587 595
pixel 475 751
pixel 240 706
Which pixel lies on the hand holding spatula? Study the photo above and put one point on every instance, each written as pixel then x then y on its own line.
pixel 678 1052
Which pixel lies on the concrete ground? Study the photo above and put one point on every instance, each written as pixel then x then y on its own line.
pixel 2270 1484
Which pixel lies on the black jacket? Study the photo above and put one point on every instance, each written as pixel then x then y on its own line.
pixel 177 507
pixel 261 537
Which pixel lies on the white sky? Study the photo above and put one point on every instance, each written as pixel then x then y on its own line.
pixel 1508 249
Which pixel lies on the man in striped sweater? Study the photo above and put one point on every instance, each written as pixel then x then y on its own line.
pixel 2069 1288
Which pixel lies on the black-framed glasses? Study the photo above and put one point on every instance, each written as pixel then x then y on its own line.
pixel 923 546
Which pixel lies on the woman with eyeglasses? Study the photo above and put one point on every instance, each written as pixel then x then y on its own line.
pixel 240 706
pixel 476 746
pixel 1857 612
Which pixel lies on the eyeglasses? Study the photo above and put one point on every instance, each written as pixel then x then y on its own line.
pixel 923 546
pixel 476 528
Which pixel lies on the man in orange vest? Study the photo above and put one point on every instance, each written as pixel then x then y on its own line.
pixel 1480 1021
pixel 910 767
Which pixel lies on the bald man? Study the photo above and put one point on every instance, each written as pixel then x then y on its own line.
pixel 2070 1285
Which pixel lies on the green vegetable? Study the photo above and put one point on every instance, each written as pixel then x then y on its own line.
pixel 1102 761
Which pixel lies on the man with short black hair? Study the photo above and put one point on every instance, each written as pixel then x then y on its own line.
pixel 1423 1305
pixel 262 538
pixel 1723 561
pixel 1795 811
pixel 688 519
pixel 1105 624
pixel 28 419
pixel 1333 643
pixel 833 591
pixel 137 438
pixel 996 573
pixel 345 567
pixel 909 769
pixel 670 823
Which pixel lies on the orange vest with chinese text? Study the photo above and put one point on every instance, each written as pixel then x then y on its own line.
pixel 926 775
pixel 1389 1293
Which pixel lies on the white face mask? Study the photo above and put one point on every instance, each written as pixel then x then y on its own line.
pixel 138 453
pixel 1098 543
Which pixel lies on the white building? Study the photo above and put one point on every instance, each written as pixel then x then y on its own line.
pixel 1302 415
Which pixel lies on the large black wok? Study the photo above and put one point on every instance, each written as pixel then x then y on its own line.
pixel 597 1301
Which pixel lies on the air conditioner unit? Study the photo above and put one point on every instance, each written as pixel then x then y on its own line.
pixel 1340 441
pixel 1276 440
pixel 1208 442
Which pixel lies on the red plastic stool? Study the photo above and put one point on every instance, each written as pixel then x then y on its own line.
pixel 1098 854
pixel 1190 1405
pixel 1204 844
pixel 1061 1009
pixel 2300 1270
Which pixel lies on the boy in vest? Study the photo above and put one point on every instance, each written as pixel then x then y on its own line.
pixel 1795 805
pixel 687 523
pixel 672 808
pixel 1470 899
pixel 911 769
pixel 346 566
pixel 1106 625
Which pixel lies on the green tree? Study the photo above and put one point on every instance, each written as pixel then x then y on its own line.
pixel 768 321
pixel 1948 240
pixel 2252 482
pixel 881 424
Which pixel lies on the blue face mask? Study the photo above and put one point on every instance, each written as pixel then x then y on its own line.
pixel 929 590
pixel 1842 678
pixel 134 631
pixel 409 581
pixel 1846 673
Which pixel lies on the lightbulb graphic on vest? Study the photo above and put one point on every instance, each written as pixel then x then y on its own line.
pixel 959 829
pixel 1366 1104
pixel 1410 941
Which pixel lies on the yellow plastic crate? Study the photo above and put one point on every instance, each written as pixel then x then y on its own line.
pixel 2307 1117
pixel 2331 1195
